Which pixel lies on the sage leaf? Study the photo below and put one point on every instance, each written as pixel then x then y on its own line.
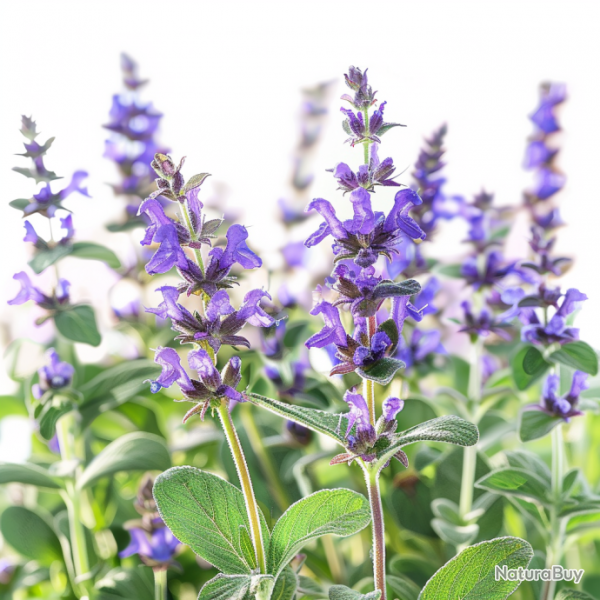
pixel 136 451
pixel 124 584
pixel 382 371
pixel 577 355
pixel 30 535
pixel 78 324
pixel 206 513
pixel 92 251
pixel 535 424
pixel 46 258
pixel 449 429
pixel 403 587
pixel 573 595
pixel 339 512
pixel 234 587
pixel 286 585
pixel 528 365
pixel 516 482
pixel 471 574
pixel 29 474
pixel 341 592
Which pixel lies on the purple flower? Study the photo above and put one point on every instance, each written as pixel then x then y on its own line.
pixel 364 357
pixel 364 436
pixel 169 254
pixel 295 254
pixel 556 330
pixel 538 154
pixel 67 225
pixel 333 331
pixel 544 117
pixel 484 324
pixel 237 250
pixel 46 202
pixel 28 292
pixel 548 183
pixel 564 406
pixel 494 271
pixel 155 548
pixel 422 345
pixel 54 376
pixel 368 176
pixel 402 309
pixel 550 220
pixel 172 372
pixel 423 301
pixel 30 234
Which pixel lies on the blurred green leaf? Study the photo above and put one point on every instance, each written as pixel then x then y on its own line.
pixel 516 482
pixel 205 512
pixel 50 415
pixel 233 587
pixel 78 324
pixel 535 424
pixel 403 587
pixel 341 592
pixel 573 595
pixel 338 512
pixel 454 271
pixel 528 365
pixel 92 251
pixel 577 355
pixel 125 584
pixel 28 474
pixel 132 452
pixel 45 258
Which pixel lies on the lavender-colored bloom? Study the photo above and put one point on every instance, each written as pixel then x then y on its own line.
pixel 538 154
pixel 67 225
pixel 28 291
pixel 46 202
pixel 172 372
pixel 564 406
pixel 548 183
pixel 494 270
pixel 169 254
pixel 237 250
pixel 333 331
pixel 155 548
pixel 422 344
pixel 54 376
pixel 368 176
pixel 295 254
pixel 391 407
pixel 484 324
pixel 30 234
pixel 6 571
pixel 402 309
pixel 544 117
pixel 364 357
pixel 550 220
pixel 423 301
pixel 556 330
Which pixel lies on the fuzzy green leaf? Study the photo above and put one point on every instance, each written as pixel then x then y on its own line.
pixel 286 585
pixel 125 584
pixel 45 258
pixel 382 371
pixel 573 595
pixel 528 365
pixel 516 482
pixel 341 592
pixel 91 251
pixel 30 535
pixel 28 474
pixel 389 289
pixel 206 512
pixel 577 355
pixel 195 181
pixel 78 324
pixel 234 587
pixel 471 574
pixel 338 512
pixel 535 424
pixel 390 328
pixel 449 429
pixel 455 534
pixel 136 451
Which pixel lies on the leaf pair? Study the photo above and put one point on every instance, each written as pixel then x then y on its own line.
pixel 209 515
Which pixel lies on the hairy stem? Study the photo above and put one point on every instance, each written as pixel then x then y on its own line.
pixel 554 550
pixel 368 385
pixel 160 584
pixel 266 463
pixel 67 431
pixel 366 144
pixel 372 480
pixel 242 469
pixel 185 213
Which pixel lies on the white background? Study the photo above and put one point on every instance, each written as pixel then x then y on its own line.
pixel 227 77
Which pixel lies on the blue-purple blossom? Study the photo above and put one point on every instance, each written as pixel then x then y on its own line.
pixel 483 324
pixel 53 376
pixel 421 346
pixel 551 95
pixel 47 202
pixel 156 548
pixel 29 292
pixel 494 270
pixel 333 331
pixel 564 406
pixel 368 176
pixel 556 330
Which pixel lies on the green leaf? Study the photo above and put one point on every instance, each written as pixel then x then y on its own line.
pixel 286 585
pixel 454 271
pixel 125 584
pixel 390 328
pixel 528 365
pixel 516 482
pixel 28 474
pixel 234 587
pixel 445 509
pixel 535 424
pixel 195 181
pixel 45 258
pixel 329 424
pixel 91 251
pixel 403 587
pixel 389 289
pixel 205 512
pixel 136 451
pixel 245 545
pixel 78 324
pixel 577 355
pixel 19 203
pixel 522 459
pixel 341 592
pixel 455 534
pixel 471 574
pixel 573 595
pixel 50 416
pixel 449 429
pixel 30 535
pixel 338 512
pixel 382 371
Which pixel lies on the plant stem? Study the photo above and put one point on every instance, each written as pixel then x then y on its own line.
pixel 368 385
pixel 366 144
pixel 242 469
pixel 372 481
pixel 160 584
pixel 67 431
pixel 185 213
pixel 279 493
pixel 554 550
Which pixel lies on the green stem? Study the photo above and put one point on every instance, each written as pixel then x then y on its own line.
pixel 368 385
pixel 160 584
pixel 554 550
pixel 266 463
pixel 185 213
pixel 242 469
pixel 366 144
pixel 70 449
pixel 372 481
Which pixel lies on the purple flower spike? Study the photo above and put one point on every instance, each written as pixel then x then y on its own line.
pixel 170 253
pixel 156 213
pixel 30 235
pixel 391 407
pixel 27 292
pixel 402 309
pixel 331 226
pixel 172 371
pixel 237 250
pixel 200 361
pixel 333 332
pixel 564 406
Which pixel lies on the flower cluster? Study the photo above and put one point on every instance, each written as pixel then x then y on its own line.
pixel 564 406
pixel 133 143
pixel 54 376
pixel 151 539
pixel 218 323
